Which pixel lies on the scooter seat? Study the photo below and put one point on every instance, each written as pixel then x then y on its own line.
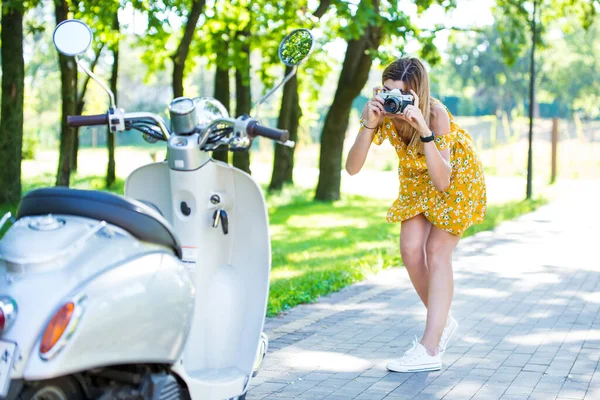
pixel 137 218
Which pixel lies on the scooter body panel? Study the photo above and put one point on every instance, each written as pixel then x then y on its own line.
pixel 230 271
pixel 128 290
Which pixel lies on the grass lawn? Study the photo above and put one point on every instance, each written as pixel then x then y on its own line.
pixel 317 247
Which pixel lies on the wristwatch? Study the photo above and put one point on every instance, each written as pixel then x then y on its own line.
pixel 427 139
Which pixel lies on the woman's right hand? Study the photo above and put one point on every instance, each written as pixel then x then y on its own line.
pixel 373 112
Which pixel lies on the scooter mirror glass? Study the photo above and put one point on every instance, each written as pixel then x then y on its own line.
pixel 295 47
pixel 72 37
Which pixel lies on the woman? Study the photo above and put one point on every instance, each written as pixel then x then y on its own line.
pixel 442 193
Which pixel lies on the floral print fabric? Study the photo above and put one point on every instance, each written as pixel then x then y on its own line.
pixel 454 210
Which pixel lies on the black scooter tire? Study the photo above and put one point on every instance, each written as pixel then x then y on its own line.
pixel 64 388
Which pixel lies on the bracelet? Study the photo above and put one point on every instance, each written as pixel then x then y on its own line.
pixel 362 124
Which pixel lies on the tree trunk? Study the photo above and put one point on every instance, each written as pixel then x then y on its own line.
pixel 81 97
pixel 11 119
pixel 529 188
pixel 183 49
pixel 289 117
pixel 355 71
pixel 75 150
pixel 110 136
pixel 68 76
pixel 243 97
pixel 222 91
pixel 81 104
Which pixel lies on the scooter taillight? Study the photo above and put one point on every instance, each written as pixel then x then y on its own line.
pixel 58 330
pixel 8 312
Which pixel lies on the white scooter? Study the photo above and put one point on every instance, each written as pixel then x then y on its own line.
pixel 157 295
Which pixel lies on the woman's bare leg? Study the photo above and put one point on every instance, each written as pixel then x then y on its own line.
pixel 439 247
pixel 413 237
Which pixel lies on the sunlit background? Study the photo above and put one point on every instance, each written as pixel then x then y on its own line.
pixel 478 54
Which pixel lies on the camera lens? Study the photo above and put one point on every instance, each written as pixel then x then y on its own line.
pixel 391 105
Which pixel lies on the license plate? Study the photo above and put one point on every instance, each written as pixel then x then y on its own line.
pixel 7 355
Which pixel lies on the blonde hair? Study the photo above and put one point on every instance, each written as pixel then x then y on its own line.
pixel 412 72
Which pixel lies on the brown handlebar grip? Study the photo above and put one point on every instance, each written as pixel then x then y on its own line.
pixel 254 129
pixel 76 121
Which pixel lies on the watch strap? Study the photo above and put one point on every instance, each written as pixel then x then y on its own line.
pixel 428 139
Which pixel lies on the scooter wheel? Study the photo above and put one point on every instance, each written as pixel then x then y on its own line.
pixel 65 388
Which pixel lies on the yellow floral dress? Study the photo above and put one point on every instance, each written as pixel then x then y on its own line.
pixel 454 210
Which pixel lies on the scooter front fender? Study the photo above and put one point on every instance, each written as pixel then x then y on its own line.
pixel 137 312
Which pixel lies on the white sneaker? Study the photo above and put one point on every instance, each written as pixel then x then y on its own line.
pixel 416 359
pixel 449 329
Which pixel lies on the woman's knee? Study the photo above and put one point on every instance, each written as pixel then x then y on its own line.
pixel 413 253
pixel 437 255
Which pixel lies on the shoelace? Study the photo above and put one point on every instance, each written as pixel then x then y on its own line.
pixel 412 353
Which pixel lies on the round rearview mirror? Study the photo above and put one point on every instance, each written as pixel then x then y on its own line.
pixel 72 37
pixel 295 47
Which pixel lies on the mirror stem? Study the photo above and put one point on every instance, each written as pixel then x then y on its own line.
pixel 266 96
pixel 98 81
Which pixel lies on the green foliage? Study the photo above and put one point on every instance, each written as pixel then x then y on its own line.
pixel 318 248
pixel 429 50
pixel 226 26
pixel 478 61
pixel 223 24
pixel 19 5
pixel 160 37
pixel 42 83
pixel 224 19
pixel 571 79
pixel 514 19
pixel 274 20
pixel 314 70
pixel 100 15
pixel 569 63
pixel 30 144
pixel 397 29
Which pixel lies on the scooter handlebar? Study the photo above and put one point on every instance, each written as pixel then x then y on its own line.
pixel 76 121
pixel 254 129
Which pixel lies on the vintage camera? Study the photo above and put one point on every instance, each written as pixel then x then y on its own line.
pixel 395 101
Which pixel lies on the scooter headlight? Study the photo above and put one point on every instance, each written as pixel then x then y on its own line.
pixel 208 110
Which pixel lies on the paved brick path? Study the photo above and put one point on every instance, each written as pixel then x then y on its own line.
pixel 527 298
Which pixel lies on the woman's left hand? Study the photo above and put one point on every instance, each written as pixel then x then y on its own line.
pixel 413 115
